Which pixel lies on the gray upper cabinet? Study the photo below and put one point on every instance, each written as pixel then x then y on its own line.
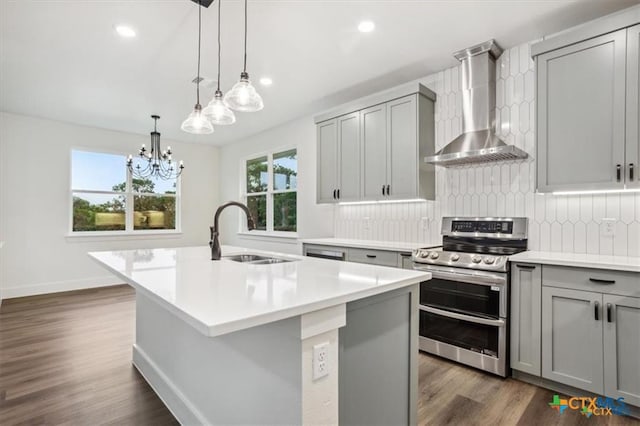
pixel 581 115
pixel 348 188
pixel 526 295
pixel 633 107
pixel 374 151
pixel 402 148
pixel 327 152
pixel 572 338
pixel 379 143
pixel 622 348
pixel 587 111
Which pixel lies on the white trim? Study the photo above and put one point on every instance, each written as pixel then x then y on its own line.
pixel 59 286
pixel 257 235
pixel 119 235
pixel 323 321
pixel 176 401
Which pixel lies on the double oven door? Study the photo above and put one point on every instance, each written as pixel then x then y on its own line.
pixel 463 316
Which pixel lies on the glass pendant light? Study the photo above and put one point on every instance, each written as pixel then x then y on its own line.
pixel 217 111
pixel 243 96
pixel 196 122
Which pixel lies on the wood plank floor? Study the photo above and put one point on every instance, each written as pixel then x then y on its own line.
pixel 65 359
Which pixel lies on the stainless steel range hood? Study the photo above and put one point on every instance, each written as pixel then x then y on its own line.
pixel 478 143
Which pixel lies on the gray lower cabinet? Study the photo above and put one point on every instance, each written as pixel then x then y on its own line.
pixel 581 115
pixel 633 107
pixel 622 348
pixel 572 338
pixel 525 317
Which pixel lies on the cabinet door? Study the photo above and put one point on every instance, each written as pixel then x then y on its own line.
pixel 633 107
pixel 402 151
pixel 327 140
pixel 581 115
pixel 572 338
pixel 349 157
pixel 374 151
pixel 526 294
pixel 622 348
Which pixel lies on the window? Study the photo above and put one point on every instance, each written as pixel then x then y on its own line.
pixel 106 198
pixel 271 190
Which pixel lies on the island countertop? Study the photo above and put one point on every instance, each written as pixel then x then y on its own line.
pixel 219 297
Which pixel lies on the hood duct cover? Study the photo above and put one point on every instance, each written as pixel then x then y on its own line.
pixel 478 143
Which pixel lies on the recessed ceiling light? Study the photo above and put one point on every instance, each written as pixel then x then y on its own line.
pixel 266 81
pixel 366 26
pixel 125 31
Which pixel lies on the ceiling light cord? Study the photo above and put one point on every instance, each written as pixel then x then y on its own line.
pixel 219 48
pixel 245 36
pixel 199 40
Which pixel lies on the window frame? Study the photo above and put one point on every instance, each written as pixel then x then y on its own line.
pixel 242 223
pixel 129 202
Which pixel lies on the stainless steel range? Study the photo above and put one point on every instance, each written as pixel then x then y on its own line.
pixel 464 308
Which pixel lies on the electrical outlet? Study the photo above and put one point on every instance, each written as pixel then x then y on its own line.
pixel 608 227
pixel 320 360
pixel 366 223
pixel 424 223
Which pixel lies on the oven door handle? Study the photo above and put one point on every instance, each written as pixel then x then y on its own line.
pixel 481 278
pixel 470 318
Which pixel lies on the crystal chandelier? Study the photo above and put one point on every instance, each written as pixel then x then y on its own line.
pixel 154 163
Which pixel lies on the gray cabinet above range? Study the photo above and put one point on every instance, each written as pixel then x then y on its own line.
pixel 587 106
pixel 370 149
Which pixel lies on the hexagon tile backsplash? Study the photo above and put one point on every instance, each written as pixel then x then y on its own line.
pixel 563 223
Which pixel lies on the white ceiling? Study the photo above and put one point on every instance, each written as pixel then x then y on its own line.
pixel 63 60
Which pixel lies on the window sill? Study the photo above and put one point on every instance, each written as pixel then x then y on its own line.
pixel 116 236
pixel 286 237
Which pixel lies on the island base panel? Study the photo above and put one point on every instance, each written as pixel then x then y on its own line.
pixel 251 376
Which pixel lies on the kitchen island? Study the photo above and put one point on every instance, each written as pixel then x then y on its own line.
pixel 226 342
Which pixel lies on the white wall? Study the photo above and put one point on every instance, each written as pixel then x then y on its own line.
pixel 38 256
pixel 313 220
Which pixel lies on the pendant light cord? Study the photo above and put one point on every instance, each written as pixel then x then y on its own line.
pixel 199 37
pixel 245 36
pixel 219 1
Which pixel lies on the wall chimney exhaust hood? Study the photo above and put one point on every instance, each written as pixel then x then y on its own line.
pixel 478 143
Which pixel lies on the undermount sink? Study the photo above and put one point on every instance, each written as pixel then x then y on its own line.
pixel 256 259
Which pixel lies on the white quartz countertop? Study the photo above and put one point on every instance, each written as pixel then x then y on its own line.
pixel 371 244
pixel 618 263
pixel 219 297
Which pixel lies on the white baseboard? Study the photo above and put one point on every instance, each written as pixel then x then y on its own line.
pixel 170 395
pixel 58 286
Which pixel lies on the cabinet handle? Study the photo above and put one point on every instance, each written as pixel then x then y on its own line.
pixel 600 281
pixel 597 310
pixel 526 266
pixel 338 194
pixel 631 172
pixel 388 189
pixel 382 189
pixel 334 194
pixel 618 172
pixel 371 256
pixel 609 319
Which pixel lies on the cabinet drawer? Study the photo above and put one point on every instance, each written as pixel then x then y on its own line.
pixel 598 280
pixel 374 257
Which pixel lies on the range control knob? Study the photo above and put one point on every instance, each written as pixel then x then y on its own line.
pixel 489 260
pixel 476 259
pixel 434 255
pixel 455 257
pixel 424 254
